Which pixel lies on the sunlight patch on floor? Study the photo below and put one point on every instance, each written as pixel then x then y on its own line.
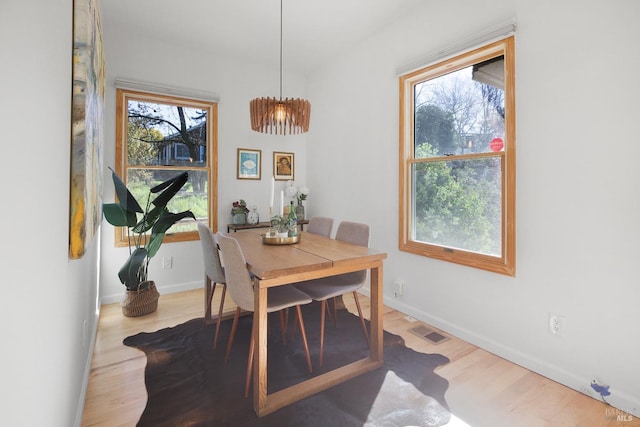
pixel 456 422
pixel 400 403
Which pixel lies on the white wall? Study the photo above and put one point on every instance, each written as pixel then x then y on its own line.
pixel 46 298
pixel 577 184
pixel 577 198
pixel 133 57
pixel 577 91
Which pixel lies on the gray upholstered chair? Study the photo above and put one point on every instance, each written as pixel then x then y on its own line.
pixel 240 287
pixel 333 286
pixel 213 275
pixel 320 225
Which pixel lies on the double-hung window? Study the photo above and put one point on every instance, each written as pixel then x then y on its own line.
pixel 160 136
pixel 457 159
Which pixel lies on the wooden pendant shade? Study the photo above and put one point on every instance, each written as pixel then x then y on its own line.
pixel 281 117
pixel 277 116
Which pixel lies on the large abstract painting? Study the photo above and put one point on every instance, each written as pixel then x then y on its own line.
pixel 86 127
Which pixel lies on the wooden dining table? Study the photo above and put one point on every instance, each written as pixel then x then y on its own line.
pixel 312 257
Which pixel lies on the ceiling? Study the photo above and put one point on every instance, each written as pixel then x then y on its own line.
pixel 314 31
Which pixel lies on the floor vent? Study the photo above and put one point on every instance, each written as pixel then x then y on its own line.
pixel 428 334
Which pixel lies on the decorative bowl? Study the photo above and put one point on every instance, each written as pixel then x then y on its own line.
pixel 269 240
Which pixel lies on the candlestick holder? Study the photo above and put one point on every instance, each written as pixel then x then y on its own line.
pixel 271 231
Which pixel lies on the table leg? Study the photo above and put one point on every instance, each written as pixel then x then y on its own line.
pixel 376 315
pixel 260 360
pixel 263 404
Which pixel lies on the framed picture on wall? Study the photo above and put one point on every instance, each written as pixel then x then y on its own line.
pixel 87 139
pixel 283 166
pixel 249 163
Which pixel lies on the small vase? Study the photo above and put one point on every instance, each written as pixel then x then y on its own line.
pixel 300 211
pixel 239 218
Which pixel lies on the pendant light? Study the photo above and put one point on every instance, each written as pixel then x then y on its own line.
pixel 280 116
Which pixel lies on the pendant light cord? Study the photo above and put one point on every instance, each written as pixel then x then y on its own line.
pixel 280 50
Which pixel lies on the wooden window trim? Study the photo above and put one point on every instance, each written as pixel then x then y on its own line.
pixel 506 263
pixel 122 97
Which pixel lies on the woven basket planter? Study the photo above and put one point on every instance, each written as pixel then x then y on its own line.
pixel 140 302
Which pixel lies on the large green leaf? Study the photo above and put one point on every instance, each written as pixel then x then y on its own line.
pixel 149 220
pixel 130 272
pixel 168 219
pixel 154 244
pixel 182 177
pixel 160 228
pixel 126 199
pixel 117 216
pixel 171 188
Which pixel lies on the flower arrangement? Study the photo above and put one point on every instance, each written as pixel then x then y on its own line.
pixel 298 193
pixel 290 190
pixel 239 207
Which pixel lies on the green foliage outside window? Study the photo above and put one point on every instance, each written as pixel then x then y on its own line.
pixel 457 203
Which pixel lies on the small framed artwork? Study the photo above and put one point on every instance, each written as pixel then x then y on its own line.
pixel 283 166
pixel 249 162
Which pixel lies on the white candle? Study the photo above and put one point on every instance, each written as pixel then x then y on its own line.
pixel 281 202
pixel 273 184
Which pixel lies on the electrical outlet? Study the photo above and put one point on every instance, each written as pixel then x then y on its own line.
pixel 167 262
pixel 398 288
pixel 556 324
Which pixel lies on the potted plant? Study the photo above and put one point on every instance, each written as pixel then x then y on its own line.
pixel 145 232
pixel 239 212
pixel 282 225
pixel 298 193
pixel 301 195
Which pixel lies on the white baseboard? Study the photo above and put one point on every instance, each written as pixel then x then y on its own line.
pixel 625 402
pixel 87 371
pixel 167 289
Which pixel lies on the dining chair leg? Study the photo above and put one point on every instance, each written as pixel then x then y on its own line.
pixel 293 328
pixel 364 327
pixel 219 319
pixel 208 297
pixel 286 320
pixel 247 382
pixel 234 326
pixel 335 311
pixel 328 311
pixel 283 327
pixel 304 337
pixel 322 315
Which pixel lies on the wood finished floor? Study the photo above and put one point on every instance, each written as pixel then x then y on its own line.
pixel 484 389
